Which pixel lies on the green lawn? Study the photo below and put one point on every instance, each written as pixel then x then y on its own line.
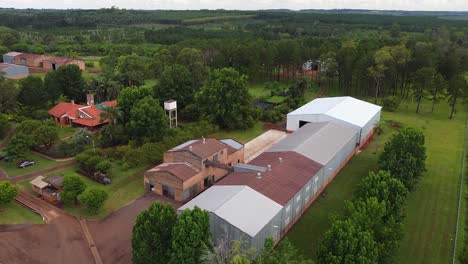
pixel 41 163
pixel 66 131
pixel 431 209
pixel 14 213
pixel 258 91
pixel 242 136
pixel 126 186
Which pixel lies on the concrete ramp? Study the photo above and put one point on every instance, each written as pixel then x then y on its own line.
pixel 260 144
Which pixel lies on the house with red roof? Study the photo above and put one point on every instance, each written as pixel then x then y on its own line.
pixel 88 116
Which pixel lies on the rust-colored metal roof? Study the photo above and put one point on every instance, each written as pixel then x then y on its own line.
pixel 204 148
pixel 181 170
pixel 286 178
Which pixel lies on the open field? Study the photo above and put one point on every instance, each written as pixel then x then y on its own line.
pixel 127 185
pixel 431 210
pixel 41 163
pixel 14 213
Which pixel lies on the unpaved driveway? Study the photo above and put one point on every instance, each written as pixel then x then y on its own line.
pixel 60 241
pixel 258 145
pixel 113 234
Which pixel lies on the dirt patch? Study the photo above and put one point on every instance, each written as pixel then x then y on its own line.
pixel 61 241
pixel 281 126
pixel 113 234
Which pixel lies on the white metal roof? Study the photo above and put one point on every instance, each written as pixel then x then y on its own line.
pixel 183 145
pixel 231 142
pixel 13 53
pixel 319 142
pixel 348 109
pixel 241 206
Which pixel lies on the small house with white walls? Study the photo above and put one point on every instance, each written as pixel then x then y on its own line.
pixel 360 115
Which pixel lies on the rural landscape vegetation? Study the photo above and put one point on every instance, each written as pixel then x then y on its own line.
pixel 401 199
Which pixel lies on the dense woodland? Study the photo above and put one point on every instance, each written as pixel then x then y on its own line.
pixel 207 60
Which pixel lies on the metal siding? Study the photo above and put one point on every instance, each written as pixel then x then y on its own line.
pixel 8 59
pixel 15 71
pixel 369 126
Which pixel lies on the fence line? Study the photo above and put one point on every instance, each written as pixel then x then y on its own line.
pixel 460 195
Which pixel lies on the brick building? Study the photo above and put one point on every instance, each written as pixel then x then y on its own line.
pixel 190 168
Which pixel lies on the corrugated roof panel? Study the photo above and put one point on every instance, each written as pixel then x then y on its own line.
pixel 212 198
pixel 231 142
pixel 249 211
pixel 183 145
pixel 317 141
pixel 241 206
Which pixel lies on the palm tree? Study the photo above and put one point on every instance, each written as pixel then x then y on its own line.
pixel 112 113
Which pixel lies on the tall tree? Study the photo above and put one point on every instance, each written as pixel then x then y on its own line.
pixel 438 91
pixel 93 198
pixel 176 82
pixel 152 235
pixel 193 60
pixel 129 97
pixel 457 89
pixel 32 92
pixel 147 120
pixel 71 82
pixel 226 100
pixel 132 70
pixel 191 237
pixel 347 242
pixel 424 81
pixel 8 96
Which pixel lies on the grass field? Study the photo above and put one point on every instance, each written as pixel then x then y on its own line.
pixel 41 163
pixel 14 213
pixel 126 186
pixel 66 131
pixel 431 210
pixel 242 136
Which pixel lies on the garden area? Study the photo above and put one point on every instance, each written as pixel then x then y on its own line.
pixel 430 209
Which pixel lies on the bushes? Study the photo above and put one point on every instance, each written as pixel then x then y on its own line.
pixel 8 192
pixel 93 198
pixel 391 103
pixel 89 162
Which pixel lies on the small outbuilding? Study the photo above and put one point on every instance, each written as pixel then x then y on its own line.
pixel 360 115
pixel 48 188
pixel 12 71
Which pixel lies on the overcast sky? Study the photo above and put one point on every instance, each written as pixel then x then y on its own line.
pixel 434 5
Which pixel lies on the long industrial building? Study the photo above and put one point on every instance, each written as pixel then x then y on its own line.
pixel 265 197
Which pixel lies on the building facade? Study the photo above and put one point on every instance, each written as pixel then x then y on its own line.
pixel 192 167
pixel 40 61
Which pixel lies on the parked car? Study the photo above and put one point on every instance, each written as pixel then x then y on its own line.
pixel 26 163
pixel 9 157
pixel 2 156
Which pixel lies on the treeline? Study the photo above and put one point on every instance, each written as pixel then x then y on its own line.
pixel 46 19
pixel 370 228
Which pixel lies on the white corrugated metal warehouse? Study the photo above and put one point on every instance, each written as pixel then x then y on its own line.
pixel 266 197
pixel 345 110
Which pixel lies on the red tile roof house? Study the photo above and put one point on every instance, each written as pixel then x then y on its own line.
pixel 88 116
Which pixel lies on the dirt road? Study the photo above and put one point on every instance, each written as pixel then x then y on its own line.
pixel 113 234
pixel 60 241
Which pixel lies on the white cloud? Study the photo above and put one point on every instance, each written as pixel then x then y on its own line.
pixel 455 5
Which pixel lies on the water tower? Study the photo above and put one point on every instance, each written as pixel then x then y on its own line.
pixel 171 108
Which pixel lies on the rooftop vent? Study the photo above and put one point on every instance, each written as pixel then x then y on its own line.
pixel 269 167
pixel 280 159
pixel 259 175
pixel 190 147
pixel 204 140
